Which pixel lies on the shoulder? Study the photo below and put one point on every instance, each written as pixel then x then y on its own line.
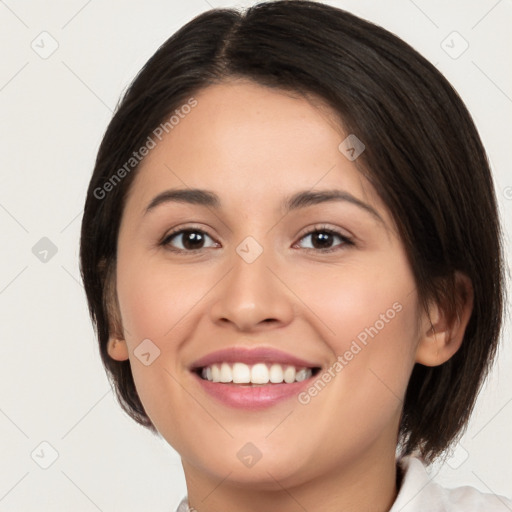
pixel 419 492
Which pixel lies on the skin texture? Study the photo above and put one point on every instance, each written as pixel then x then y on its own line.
pixel 253 146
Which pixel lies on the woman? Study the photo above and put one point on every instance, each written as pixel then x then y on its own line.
pixel 284 256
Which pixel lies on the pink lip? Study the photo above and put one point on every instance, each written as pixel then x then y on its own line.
pixel 252 397
pixel 252 356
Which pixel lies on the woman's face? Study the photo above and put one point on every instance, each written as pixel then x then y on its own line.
pixel 252 273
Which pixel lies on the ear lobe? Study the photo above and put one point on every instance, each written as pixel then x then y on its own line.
pixel 117 349
pixel 441 337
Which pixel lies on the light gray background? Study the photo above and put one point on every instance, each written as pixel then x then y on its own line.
pixel 53 114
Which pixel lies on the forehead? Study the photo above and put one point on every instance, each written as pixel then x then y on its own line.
pixel 251 143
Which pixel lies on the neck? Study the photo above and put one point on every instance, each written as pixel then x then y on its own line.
pixel 365 484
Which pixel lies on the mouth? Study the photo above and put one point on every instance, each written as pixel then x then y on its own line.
pixel 253 378
pixel 263 384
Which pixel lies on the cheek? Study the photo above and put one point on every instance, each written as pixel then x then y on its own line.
pixel 369 322
pixel 155 295
pixel 364 301
pixel 159 301
pixel 370 316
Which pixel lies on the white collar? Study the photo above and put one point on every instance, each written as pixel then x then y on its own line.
pixel 419 493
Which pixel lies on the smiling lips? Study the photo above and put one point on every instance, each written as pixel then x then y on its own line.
pixel 252 378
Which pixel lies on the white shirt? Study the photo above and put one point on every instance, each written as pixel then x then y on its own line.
pixel 419 493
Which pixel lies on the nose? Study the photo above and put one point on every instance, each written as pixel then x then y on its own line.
pixel 253 296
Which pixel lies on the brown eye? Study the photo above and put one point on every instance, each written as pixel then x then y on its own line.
pixel 322 240
pixel 188 240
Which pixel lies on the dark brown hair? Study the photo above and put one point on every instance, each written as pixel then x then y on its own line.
pixel 423 156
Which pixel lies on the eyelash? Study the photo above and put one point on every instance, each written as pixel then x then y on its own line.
pixel 317 229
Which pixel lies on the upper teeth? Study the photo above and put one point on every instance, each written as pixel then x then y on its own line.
pixel 260 373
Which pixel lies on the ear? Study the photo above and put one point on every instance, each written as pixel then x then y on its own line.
pixel 117 349
pixel 442 335
pixel 116 345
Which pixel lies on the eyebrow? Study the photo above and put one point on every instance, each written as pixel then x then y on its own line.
pixel 296 201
